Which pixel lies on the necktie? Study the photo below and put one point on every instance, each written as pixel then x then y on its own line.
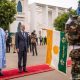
pixel 24 34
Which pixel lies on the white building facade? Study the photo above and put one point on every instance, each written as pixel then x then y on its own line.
pixel 21 16
pixel 36 16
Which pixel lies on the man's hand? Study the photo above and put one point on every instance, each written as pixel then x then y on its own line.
pixel 17 50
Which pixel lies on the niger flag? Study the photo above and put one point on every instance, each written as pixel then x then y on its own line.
pixel 56 50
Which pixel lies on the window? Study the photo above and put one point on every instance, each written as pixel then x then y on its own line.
pixel 19 7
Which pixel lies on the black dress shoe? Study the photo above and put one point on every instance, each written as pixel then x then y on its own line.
pixel 1 74
pixel 20 70
pixel 36 54
pixel 14 52
pixel 25 70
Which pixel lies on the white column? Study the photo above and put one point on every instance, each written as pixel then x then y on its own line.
pixel 25 12
pixel 45 19
pixel 45 16
pixel 56 12
pixel 53 15
pixel 33 17
pixel 52 19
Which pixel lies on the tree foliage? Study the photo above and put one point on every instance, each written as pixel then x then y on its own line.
pixel 60 21
pixel 7 13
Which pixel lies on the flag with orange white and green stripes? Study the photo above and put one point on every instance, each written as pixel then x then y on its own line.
pixel 56 50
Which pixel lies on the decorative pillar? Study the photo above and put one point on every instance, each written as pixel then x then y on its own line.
pixel 33 17
pixel 45 16
pixel 56 12
pixel 25 13
pixel 45 19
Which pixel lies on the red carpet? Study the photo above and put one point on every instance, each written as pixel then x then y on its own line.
pixel 10 74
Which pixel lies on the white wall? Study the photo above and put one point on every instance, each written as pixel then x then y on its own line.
pixel 36 17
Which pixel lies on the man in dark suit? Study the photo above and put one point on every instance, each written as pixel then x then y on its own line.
pixel 22 44
pixel 8 43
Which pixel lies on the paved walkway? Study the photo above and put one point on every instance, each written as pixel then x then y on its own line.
pixel 35 60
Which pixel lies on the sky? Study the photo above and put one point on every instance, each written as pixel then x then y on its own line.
pixel 61 3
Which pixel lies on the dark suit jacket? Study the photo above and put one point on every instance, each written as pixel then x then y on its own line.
pixel 9 40
pixel 21 41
